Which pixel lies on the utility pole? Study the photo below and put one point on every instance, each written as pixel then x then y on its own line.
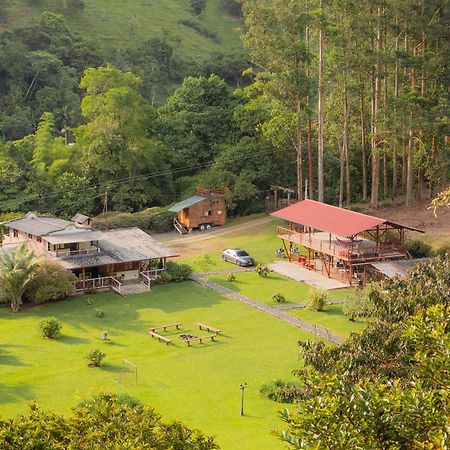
pixel 242 388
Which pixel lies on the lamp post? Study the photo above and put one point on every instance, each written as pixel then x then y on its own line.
pixel 242 388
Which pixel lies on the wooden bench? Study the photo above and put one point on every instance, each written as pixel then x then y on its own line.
pixel 202 326
pixel 159 337
pixel 164 327
pixel 200 339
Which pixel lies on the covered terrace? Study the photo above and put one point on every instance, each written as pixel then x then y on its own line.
pixel 339 242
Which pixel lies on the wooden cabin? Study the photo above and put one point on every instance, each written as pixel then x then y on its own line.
pixel 341 244
pixel 202 211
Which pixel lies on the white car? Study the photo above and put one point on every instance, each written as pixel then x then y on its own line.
pixel 238 256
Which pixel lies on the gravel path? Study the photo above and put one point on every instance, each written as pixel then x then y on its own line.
pixel 314 329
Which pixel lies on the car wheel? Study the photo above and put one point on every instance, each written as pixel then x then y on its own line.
pixel 202 227
pixel 208 227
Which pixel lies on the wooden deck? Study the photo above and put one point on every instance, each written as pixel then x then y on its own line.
pixel 363 251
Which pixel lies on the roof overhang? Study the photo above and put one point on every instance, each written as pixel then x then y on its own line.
pixel 331 219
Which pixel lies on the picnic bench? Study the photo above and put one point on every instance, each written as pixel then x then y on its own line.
pixel 200 339
pixel 202 326
pixel 159 337
pixel 164 327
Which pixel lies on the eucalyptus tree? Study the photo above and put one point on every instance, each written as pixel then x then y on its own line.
pixel 275 33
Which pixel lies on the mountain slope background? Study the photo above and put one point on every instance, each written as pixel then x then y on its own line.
pixel 126 23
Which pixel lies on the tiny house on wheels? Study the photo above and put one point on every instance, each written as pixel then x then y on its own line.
pixel 201 211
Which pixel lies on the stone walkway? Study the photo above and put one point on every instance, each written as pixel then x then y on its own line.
pixel 297 273
pixel 311 328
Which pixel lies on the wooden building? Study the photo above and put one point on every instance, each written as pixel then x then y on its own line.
pixel 202 211
pixel 342 244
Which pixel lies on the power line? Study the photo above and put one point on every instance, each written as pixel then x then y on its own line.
pixel 110 184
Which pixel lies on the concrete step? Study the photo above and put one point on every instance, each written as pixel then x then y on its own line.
pixel 135 288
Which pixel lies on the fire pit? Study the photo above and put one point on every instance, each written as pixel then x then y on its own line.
pixel 185 337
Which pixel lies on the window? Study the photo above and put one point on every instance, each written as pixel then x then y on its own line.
pixel 207 213
pixel 219 212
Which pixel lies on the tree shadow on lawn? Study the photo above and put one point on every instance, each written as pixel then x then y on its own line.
pixel 8 359
pixel 13 394
pixel 72 340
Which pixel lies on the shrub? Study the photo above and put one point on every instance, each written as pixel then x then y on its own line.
pixel 201 29
pixel 231 277
pixel 178 272
pixel 318 299
pixel 281 391
pixel 164 278
pixel 419 249
pixel 279 298
pixel 50 328
pixel 99 313
pixel 89 302
pixel 51 282
pixel 95 357
pixel 443 249
pixel 262 270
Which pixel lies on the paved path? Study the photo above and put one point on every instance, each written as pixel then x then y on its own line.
pixel 297 273
pixel 318 331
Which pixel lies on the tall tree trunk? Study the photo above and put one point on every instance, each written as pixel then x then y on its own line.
pixel 299 150
pixel 394 148
pixel 345 148
pixel 341 176
pixel 320 149
pixel 410 153
pixel 404 165
pixel 363 148
pixel 310 142
pixel 374 199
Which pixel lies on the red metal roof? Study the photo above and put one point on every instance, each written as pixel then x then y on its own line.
pixel 332 219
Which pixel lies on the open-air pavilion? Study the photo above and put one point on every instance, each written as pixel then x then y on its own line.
pixel 342 244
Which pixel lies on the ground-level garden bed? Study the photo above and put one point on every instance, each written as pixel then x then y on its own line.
pixel 197 384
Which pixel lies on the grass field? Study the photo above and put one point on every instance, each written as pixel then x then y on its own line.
pixel 108 23
pixel 198 385
pixel 262 289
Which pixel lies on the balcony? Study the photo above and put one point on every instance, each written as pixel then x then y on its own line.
pixel 67 252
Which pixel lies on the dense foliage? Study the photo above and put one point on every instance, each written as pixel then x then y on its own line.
pixel 105 422
pixel 367 392
pixel 50 328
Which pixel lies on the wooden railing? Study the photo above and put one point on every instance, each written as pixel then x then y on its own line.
pixel 346 253
pixel 98 283
pixel 67 252
pixel 180 228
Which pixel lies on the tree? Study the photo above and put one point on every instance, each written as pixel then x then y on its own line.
pixel 100 424
pixel 198 6
pixel 17 270
pixel 50 282
pixel 275 35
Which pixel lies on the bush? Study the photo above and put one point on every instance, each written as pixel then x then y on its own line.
pixel 358 305
pixel 231 277
pixel 318 299
pixel 262 270
pixel 99 313
pixel 443 249
pixel 178 272
pixel 281 391
pixel 232 7
pixel 95 357
pixel 279 298
pixel 50 328
pixel 419 249
pixel 199 28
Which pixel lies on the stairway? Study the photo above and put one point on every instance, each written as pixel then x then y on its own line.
pixel 180 228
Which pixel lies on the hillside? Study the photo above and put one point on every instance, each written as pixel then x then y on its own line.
pixel 124 23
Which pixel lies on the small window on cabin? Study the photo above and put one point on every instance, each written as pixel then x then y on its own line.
pixel 16 233
pixel 207 213
pixel 219 212
pixel 30 236
pixel 39 239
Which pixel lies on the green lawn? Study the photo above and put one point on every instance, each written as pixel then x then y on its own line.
pixel 260 241
pixel 108 23
pixel 262 289
pixel 199 385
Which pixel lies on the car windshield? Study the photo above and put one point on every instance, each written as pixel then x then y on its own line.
pixel 241 253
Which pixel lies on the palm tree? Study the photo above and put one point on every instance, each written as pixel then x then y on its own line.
pixel 16 272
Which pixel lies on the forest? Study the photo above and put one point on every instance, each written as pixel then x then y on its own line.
pixel 344 101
